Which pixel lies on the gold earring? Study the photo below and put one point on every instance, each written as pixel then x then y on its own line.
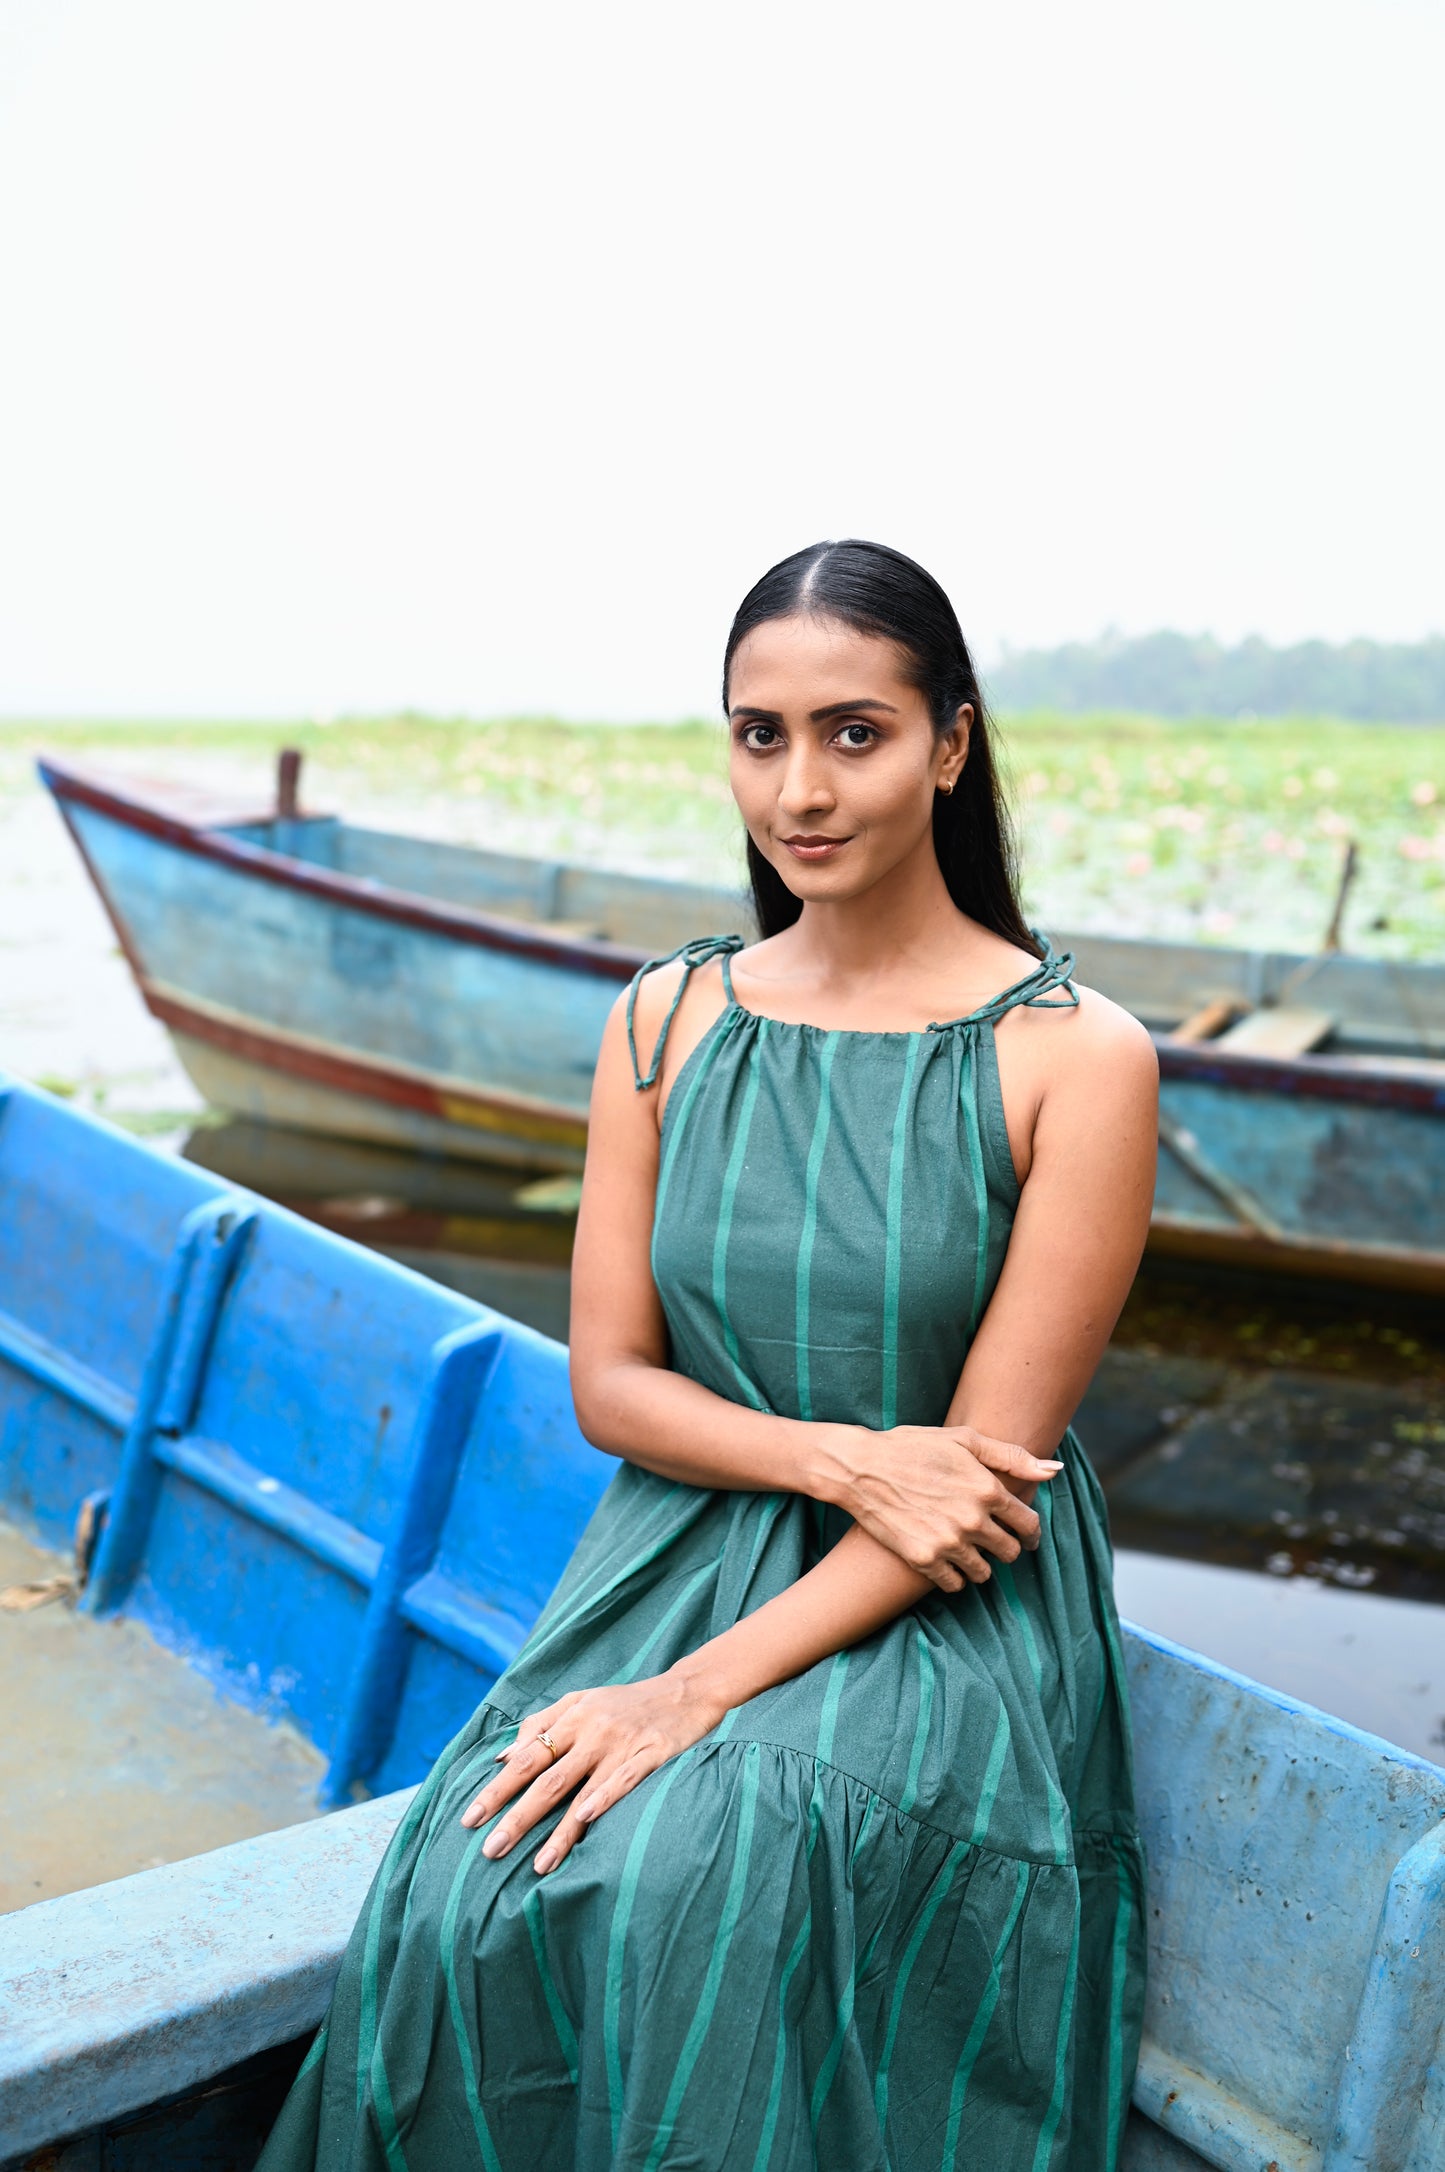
pixel 945 787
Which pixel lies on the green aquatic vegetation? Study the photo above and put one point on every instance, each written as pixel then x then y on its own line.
pixel 1229 831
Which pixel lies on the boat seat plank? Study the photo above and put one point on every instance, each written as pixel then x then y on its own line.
pixel 1209 1020
pixel 1288 1029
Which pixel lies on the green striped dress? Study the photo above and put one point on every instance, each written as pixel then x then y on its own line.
pixel 886 1917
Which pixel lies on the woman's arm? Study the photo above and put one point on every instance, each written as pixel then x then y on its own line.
pixel 1076 1242
pixel 947 1503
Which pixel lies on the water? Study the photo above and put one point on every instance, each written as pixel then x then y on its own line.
pixel 1274 1456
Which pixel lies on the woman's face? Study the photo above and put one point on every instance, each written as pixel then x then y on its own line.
pixel 835 760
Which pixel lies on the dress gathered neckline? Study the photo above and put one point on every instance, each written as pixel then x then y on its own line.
pixel 1049 987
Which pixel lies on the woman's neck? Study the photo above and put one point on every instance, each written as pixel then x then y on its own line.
pixel 905 924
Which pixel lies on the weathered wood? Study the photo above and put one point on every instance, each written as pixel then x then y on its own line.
pixel 1284 1030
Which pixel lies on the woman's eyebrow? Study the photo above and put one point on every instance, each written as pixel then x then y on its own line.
pixel 815 716
pixel 847 708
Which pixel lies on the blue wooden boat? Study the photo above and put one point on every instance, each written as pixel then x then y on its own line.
pixel 318 1469
pixel 346 980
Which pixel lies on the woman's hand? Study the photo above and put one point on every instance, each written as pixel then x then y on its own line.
pixel 606 1741
pixel 944 1497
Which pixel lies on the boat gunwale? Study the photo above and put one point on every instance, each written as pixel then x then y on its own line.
pixel 491 931
pixel 1386 1081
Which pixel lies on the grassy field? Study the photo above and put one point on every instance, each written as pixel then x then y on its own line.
pixel 1227 831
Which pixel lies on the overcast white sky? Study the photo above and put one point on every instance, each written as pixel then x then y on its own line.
pixel 478 357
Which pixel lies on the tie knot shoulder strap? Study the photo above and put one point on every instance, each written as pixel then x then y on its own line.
pixel 1049 987
pixel 698 952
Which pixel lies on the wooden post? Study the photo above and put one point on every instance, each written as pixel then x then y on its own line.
pixel 1348 866
pixel 288 784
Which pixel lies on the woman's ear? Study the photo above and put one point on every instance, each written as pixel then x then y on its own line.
pixel 954 745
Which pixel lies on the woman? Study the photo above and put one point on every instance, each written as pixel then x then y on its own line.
pixel 841 1867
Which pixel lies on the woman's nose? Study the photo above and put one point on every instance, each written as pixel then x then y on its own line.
pixel 805 787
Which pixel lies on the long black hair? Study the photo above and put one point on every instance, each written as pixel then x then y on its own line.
pixel 878 591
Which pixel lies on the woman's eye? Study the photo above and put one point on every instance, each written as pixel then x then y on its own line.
pixel 759 737
pixel 857 735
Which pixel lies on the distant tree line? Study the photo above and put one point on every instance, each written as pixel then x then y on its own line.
pixel 1175 674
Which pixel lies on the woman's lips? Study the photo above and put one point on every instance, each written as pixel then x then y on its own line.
pixel 804 847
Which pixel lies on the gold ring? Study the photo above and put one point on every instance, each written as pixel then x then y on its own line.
pixel 548 1745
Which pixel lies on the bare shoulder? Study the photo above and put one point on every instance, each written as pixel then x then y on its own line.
pixel 1094 1039
pixel 1098 1050
pixel 1107 1032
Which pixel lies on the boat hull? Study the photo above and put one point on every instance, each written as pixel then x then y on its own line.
pixel 303 986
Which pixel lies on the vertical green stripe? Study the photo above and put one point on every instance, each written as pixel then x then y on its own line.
pixel 804 1287
pixel 835 2050
pixel 397 1846
pixel 732 1176
pixel 1058 1820
pixel 993 1773
pixel 973 2042
pixel 561 2019
pixel 1061 2052
pixel 828 1717
pixel 590 1596
pixel 826 1722
pixel 925 1712
pixel 460 2030
pixel 780 2054
pixel 370 1969
pixel 631 1673
pixel 627 1886
pixel 973 1142
pixel 1118 1976
pixel 870 1802
pixel 893 1257
pixel 935 1901
pixel 678 1126
pixel 712 1982
pixel 772 1506
pixel 381 2105
pixel 846 2004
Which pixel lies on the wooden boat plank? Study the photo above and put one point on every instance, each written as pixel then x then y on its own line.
pixel 1284 1029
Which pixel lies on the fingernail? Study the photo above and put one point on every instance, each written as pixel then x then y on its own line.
pixel 497 1843
pixel 1045 1465
pixel 545 1861
pixel 586 1811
